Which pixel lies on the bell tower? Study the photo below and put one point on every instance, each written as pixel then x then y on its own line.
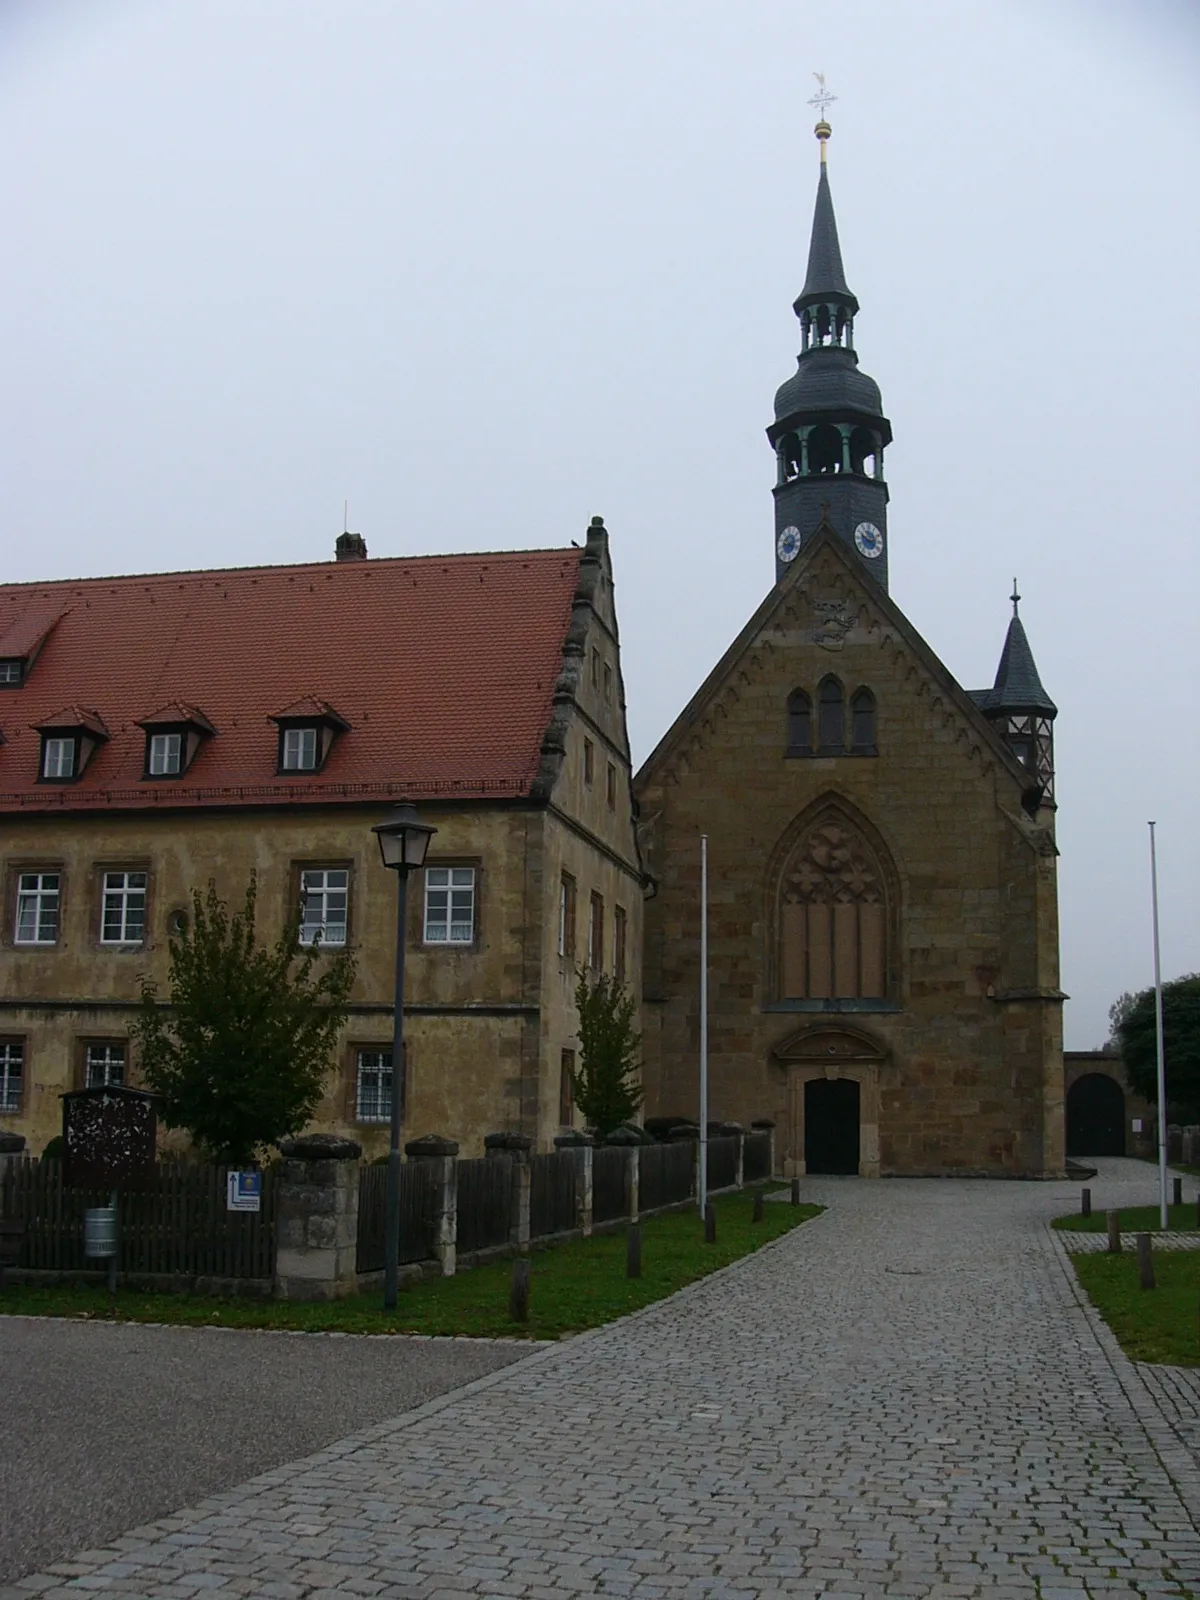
pixel 829 431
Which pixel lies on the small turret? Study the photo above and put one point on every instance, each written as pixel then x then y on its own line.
pixel 1022 711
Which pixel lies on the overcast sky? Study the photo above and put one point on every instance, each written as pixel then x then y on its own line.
pixel 485 269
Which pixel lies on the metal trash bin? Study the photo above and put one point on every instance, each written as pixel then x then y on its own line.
pixel 100 1232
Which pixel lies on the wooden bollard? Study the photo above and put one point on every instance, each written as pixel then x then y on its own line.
pixel 633 1250
pixel 1085 1204
pixel 796 1192
pixel 1145 1261
pixel 1177 1192
pixel 1113 1219
pixel 758 1205
pixel 518 1294
pixel 710 1223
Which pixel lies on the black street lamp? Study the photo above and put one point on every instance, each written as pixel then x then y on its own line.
pixel 403 842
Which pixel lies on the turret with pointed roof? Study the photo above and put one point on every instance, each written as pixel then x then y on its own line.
pixel 829 431
pixel 1020 708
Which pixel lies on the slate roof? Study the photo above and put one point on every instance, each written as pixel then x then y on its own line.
pixel 444 668
pixel 1017 686
pixel 825 278
pixel 828 379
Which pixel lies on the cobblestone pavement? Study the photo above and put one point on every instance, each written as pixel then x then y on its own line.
pixel 906 1397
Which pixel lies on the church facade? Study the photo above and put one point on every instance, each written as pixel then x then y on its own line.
pixel 882 889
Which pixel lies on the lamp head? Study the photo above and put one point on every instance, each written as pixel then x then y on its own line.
pixel 403 838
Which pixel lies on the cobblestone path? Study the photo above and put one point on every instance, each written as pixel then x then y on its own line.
pixel 903 1398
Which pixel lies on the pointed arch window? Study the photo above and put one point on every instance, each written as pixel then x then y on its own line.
pixel 831 718
pixel 862 723
pixel 832 929
pixel 799 710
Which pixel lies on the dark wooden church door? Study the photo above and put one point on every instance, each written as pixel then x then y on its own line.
pixel 831 1125
pixel 1095 1116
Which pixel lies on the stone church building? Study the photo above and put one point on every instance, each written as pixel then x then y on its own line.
pixel 883 917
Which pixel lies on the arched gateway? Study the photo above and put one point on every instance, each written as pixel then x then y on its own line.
pixel 833 1099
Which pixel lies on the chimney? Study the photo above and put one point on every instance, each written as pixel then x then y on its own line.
pixel 351 547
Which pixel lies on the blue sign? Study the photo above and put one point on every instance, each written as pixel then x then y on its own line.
pixel 243 1191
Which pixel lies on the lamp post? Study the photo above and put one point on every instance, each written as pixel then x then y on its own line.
pixel 403 842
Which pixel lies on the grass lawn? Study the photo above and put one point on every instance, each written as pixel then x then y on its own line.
pixel 1151 1324
pixel 1134 1219
pixel 574 1286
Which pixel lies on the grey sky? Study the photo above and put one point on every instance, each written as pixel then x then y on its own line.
pixel 486 269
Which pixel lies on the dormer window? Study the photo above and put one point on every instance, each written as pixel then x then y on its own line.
pixel 20 643
pixel 174 734
pixel 166 755
pixel 11 674
pixel 307 733
pixel 299 750
pixel 69 740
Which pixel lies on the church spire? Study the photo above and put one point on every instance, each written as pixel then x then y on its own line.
pixel 829 431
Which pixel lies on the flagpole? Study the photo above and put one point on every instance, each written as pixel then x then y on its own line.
pixel 702 1196
pixel 1158 1040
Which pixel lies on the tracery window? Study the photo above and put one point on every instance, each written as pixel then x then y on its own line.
pixel 832 916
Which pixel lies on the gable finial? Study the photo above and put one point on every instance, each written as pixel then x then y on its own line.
pixel 821 100
pixel 1015 598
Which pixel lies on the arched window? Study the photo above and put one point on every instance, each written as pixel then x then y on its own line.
pixel 832 916
pixel 831 718
pixel 799 709
pixel 825 449
pixel 862 723
pixel 862 452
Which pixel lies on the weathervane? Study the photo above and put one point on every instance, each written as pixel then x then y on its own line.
pixel 822 98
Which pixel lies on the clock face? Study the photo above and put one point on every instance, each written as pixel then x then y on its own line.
pixel 869 540
pixel 788 544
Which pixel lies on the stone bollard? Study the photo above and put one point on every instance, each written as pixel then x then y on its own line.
pixel 766 1125
pixel 1113 1219
pixel 445 1200
pixel 316 1218
pixel 633 1250
pixel 518 1294
pixel 1085 1206
pixel 1145 1259
pixel 1177 1192
pixel 795 1191
pixel 518 1146
pixel 758 1205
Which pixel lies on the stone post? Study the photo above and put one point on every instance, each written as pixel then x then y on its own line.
pixel 627 1138
pixel 688 1130
pixel 445 1200
pixel 734 1130
pixel 316 1218
pixel 518 1146
pixel 582 1144
pixel 766 1125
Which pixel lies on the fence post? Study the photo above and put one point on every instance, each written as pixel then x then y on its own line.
pixel 445 1201
pixel 582 1144
pixel 767 1126
pixel 316 1218
pixel 518 1146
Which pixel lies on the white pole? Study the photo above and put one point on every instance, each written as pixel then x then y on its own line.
pixel 702 1197
pixel 1158 1039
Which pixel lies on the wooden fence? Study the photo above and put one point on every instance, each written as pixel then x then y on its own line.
pixel 554 1193
pixel 665 1174
pixel 417 1213
pixel 179 1226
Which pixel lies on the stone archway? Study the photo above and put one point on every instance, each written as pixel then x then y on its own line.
pixel 1095 1116
pixel 833 1051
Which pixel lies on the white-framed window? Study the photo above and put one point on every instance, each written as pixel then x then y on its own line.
pixel 12 1074
pixel 58 758
pixel 123 919
pixel 449 905
pixel 373 1086
pixel 10 672
pixel 103 1064
pixel 324 900
pixel 166 755
pixel 37 908
pixel 299 749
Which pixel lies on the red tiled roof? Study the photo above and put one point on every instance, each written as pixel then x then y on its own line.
pixel 25 629
pixel 173 713
pixel 74 717
pixel 444 667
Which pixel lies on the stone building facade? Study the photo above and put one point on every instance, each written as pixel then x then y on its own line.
pixel 882 905
pixel 487 689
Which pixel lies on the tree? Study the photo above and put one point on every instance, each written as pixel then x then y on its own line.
pixel 239 1052
pixel 1181 1041
pixel 1117 1012
pixel 605 1081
